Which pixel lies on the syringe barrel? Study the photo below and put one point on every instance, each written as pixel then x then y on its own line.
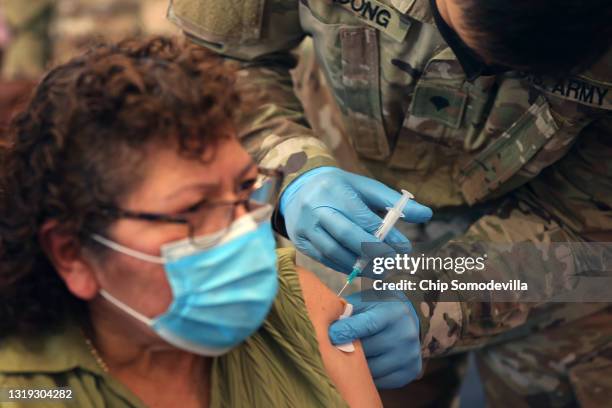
pixel 403 201
pixel 387 224
pixel 393 215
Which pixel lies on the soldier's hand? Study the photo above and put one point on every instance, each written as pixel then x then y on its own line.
pixel 389 335
pixel 329 212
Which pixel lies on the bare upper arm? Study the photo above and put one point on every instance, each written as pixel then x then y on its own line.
pixel 348 371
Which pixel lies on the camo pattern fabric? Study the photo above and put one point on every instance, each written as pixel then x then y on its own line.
pixel 46 33
pixel 78 24
pixel 81 23
pixel 565 366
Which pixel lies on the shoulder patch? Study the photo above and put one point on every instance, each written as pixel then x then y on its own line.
pixel 378 15
pixel 218 21
pixel 577 89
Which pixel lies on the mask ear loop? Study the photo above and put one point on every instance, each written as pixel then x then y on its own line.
pixel 128 251
pixel 125 308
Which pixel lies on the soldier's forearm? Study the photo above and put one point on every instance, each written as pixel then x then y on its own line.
pixel 273 127
pixel 458 322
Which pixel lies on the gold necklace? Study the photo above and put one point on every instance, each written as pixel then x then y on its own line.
pixel 94 353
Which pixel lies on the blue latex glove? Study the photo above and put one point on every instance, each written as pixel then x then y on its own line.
pixel 389 334
pixel 329 212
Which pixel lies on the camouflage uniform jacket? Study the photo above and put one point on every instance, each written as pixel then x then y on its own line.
pixel 417 123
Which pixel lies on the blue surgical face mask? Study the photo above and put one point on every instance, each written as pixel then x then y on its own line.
pixel 223 285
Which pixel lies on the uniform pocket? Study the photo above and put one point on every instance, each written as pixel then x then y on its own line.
pixel 439 103
pixel 447 108
pixel 431 136
pixel 506 156
pixel 360 91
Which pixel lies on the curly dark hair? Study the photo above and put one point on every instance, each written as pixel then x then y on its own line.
pixel 77 147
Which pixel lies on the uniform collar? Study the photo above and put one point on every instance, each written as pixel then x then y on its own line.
pixel 417 9
pixel 600 72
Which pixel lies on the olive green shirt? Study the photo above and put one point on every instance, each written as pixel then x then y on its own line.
pixel 279 366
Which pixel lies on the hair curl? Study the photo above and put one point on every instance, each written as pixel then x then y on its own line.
pixel 77 146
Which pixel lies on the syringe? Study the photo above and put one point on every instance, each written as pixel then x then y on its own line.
pixel 393 214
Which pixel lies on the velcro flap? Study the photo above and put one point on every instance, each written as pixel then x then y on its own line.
pixel 219 21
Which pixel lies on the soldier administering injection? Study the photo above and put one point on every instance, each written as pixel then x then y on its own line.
pixel 496 109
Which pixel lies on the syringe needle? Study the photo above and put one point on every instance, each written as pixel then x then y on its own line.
pixel 344 287
pixel 393 214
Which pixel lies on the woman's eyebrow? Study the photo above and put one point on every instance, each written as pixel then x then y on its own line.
pixel 200 186
pixel 209 185
pixel 246 170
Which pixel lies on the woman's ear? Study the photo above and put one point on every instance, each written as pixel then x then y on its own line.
pixel 65 253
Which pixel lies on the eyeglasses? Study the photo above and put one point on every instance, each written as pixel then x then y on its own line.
pixel 207 216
